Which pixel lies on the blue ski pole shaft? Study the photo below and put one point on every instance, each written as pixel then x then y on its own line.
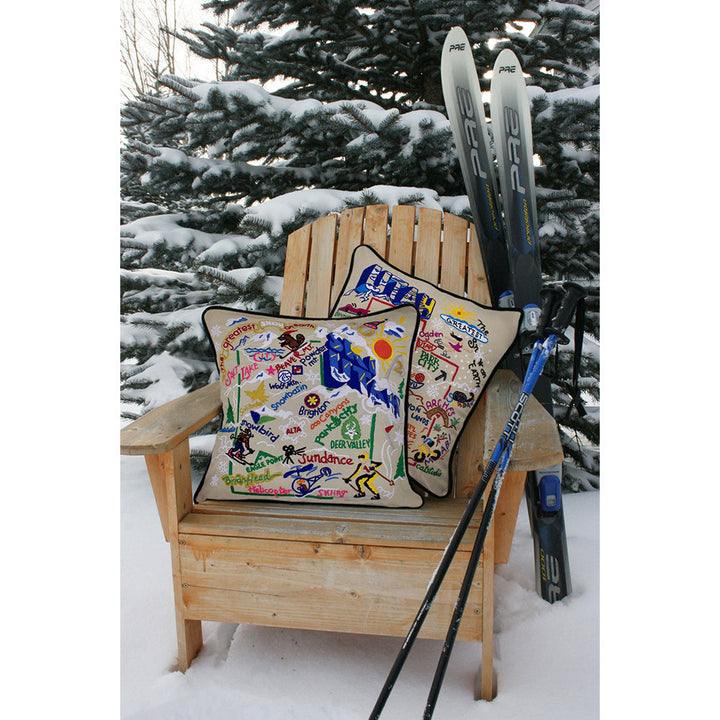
pixel 499 460
pixel 432 589
pixel 448 555
pixel 541 352
pixel 554 328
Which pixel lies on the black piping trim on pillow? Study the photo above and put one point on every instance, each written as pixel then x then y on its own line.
pixel 499 364
pixel 295 318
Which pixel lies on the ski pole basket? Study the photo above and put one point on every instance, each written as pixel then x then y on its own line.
pixel 343 568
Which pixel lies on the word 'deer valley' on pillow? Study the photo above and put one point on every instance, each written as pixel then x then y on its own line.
pixel 458 346
pixel 313 410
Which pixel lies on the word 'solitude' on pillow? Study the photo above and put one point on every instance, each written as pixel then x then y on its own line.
pixel 458 346
pixel 312 409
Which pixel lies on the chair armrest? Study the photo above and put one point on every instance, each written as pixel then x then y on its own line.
pixel 165 427
pixel 537 444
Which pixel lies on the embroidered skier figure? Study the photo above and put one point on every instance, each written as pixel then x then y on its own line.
pixel 364 476
pixel 241 449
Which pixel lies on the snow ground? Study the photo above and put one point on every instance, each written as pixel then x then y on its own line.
pixel 547 656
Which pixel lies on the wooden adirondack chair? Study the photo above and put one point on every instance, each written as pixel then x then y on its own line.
pixel 343 568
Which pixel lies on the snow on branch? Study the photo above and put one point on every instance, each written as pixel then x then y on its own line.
pixel 278 214
pixel 180 85
pixel 239 278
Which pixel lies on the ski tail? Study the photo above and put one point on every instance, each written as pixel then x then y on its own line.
pixel 512 130
pixel 547 524
pixel 463 101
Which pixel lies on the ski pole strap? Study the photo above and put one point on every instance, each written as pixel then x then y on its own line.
pixel 575 400
pixel 558 310
pixel 551 299
pixel 574 293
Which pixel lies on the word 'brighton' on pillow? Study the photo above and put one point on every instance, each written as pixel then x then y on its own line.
pixel 313 410
pixel 458 346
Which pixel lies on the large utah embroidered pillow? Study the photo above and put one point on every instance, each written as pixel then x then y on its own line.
pixel 459 344
pixel 313 410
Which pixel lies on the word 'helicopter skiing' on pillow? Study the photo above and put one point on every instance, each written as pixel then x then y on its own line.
pixel 458 346
pixel 313 410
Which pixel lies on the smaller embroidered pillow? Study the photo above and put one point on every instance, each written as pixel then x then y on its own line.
pixel 459 344
pixel 313 410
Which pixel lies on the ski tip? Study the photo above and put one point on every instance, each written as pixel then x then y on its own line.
pixel 455 41
pixel 507 63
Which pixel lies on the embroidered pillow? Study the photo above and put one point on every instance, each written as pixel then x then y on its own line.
pixel 313 410
pixel 458 346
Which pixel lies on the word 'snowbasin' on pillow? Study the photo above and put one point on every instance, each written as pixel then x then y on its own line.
pixel 458 346
pixel 313 410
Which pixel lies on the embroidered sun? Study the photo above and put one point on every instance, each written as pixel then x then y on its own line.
pixel 385 345
pixel 459 312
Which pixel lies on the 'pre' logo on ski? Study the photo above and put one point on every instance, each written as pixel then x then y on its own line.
pixel 457 46
pixel 507 68
pixel 470 126
pixel 512 128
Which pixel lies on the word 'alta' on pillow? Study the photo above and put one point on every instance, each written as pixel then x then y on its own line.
pixel 313 410
pixel 458 346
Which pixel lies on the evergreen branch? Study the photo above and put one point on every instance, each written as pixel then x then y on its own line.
pixel 392 117
pixel 156 105
pixel 127 243
pixel 144 148
pixel 228 279
pixel 371 37
pixel 180 86
pixel 422 29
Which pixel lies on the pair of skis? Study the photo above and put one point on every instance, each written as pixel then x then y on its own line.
pixel 511 254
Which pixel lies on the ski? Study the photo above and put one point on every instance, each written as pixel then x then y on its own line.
pixel 463 101
pixel 512 131
pixel 513 276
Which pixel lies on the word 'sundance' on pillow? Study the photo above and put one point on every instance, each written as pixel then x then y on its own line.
pixel 312 410
pixel 458 346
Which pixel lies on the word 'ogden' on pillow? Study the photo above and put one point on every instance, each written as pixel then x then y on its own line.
pixel 312 410
pixel 458 346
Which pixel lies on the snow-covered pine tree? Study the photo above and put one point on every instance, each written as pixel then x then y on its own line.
pixel 326 105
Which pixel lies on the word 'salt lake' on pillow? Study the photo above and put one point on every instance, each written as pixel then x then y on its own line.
pixel 458 346
pixel 312 410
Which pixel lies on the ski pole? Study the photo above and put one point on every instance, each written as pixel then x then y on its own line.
pixel 432 590
pixel 542 350
pixel 443 566
pixel 445 561
pixel 464 522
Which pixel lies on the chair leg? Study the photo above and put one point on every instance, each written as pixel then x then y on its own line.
pixel 485 683
pixel 178 486
pixel 190 640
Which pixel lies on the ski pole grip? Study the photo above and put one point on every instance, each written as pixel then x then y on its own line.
pixel 574 293
pixel 551 299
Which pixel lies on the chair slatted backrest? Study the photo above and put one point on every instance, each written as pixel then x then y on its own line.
pixel 438 247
